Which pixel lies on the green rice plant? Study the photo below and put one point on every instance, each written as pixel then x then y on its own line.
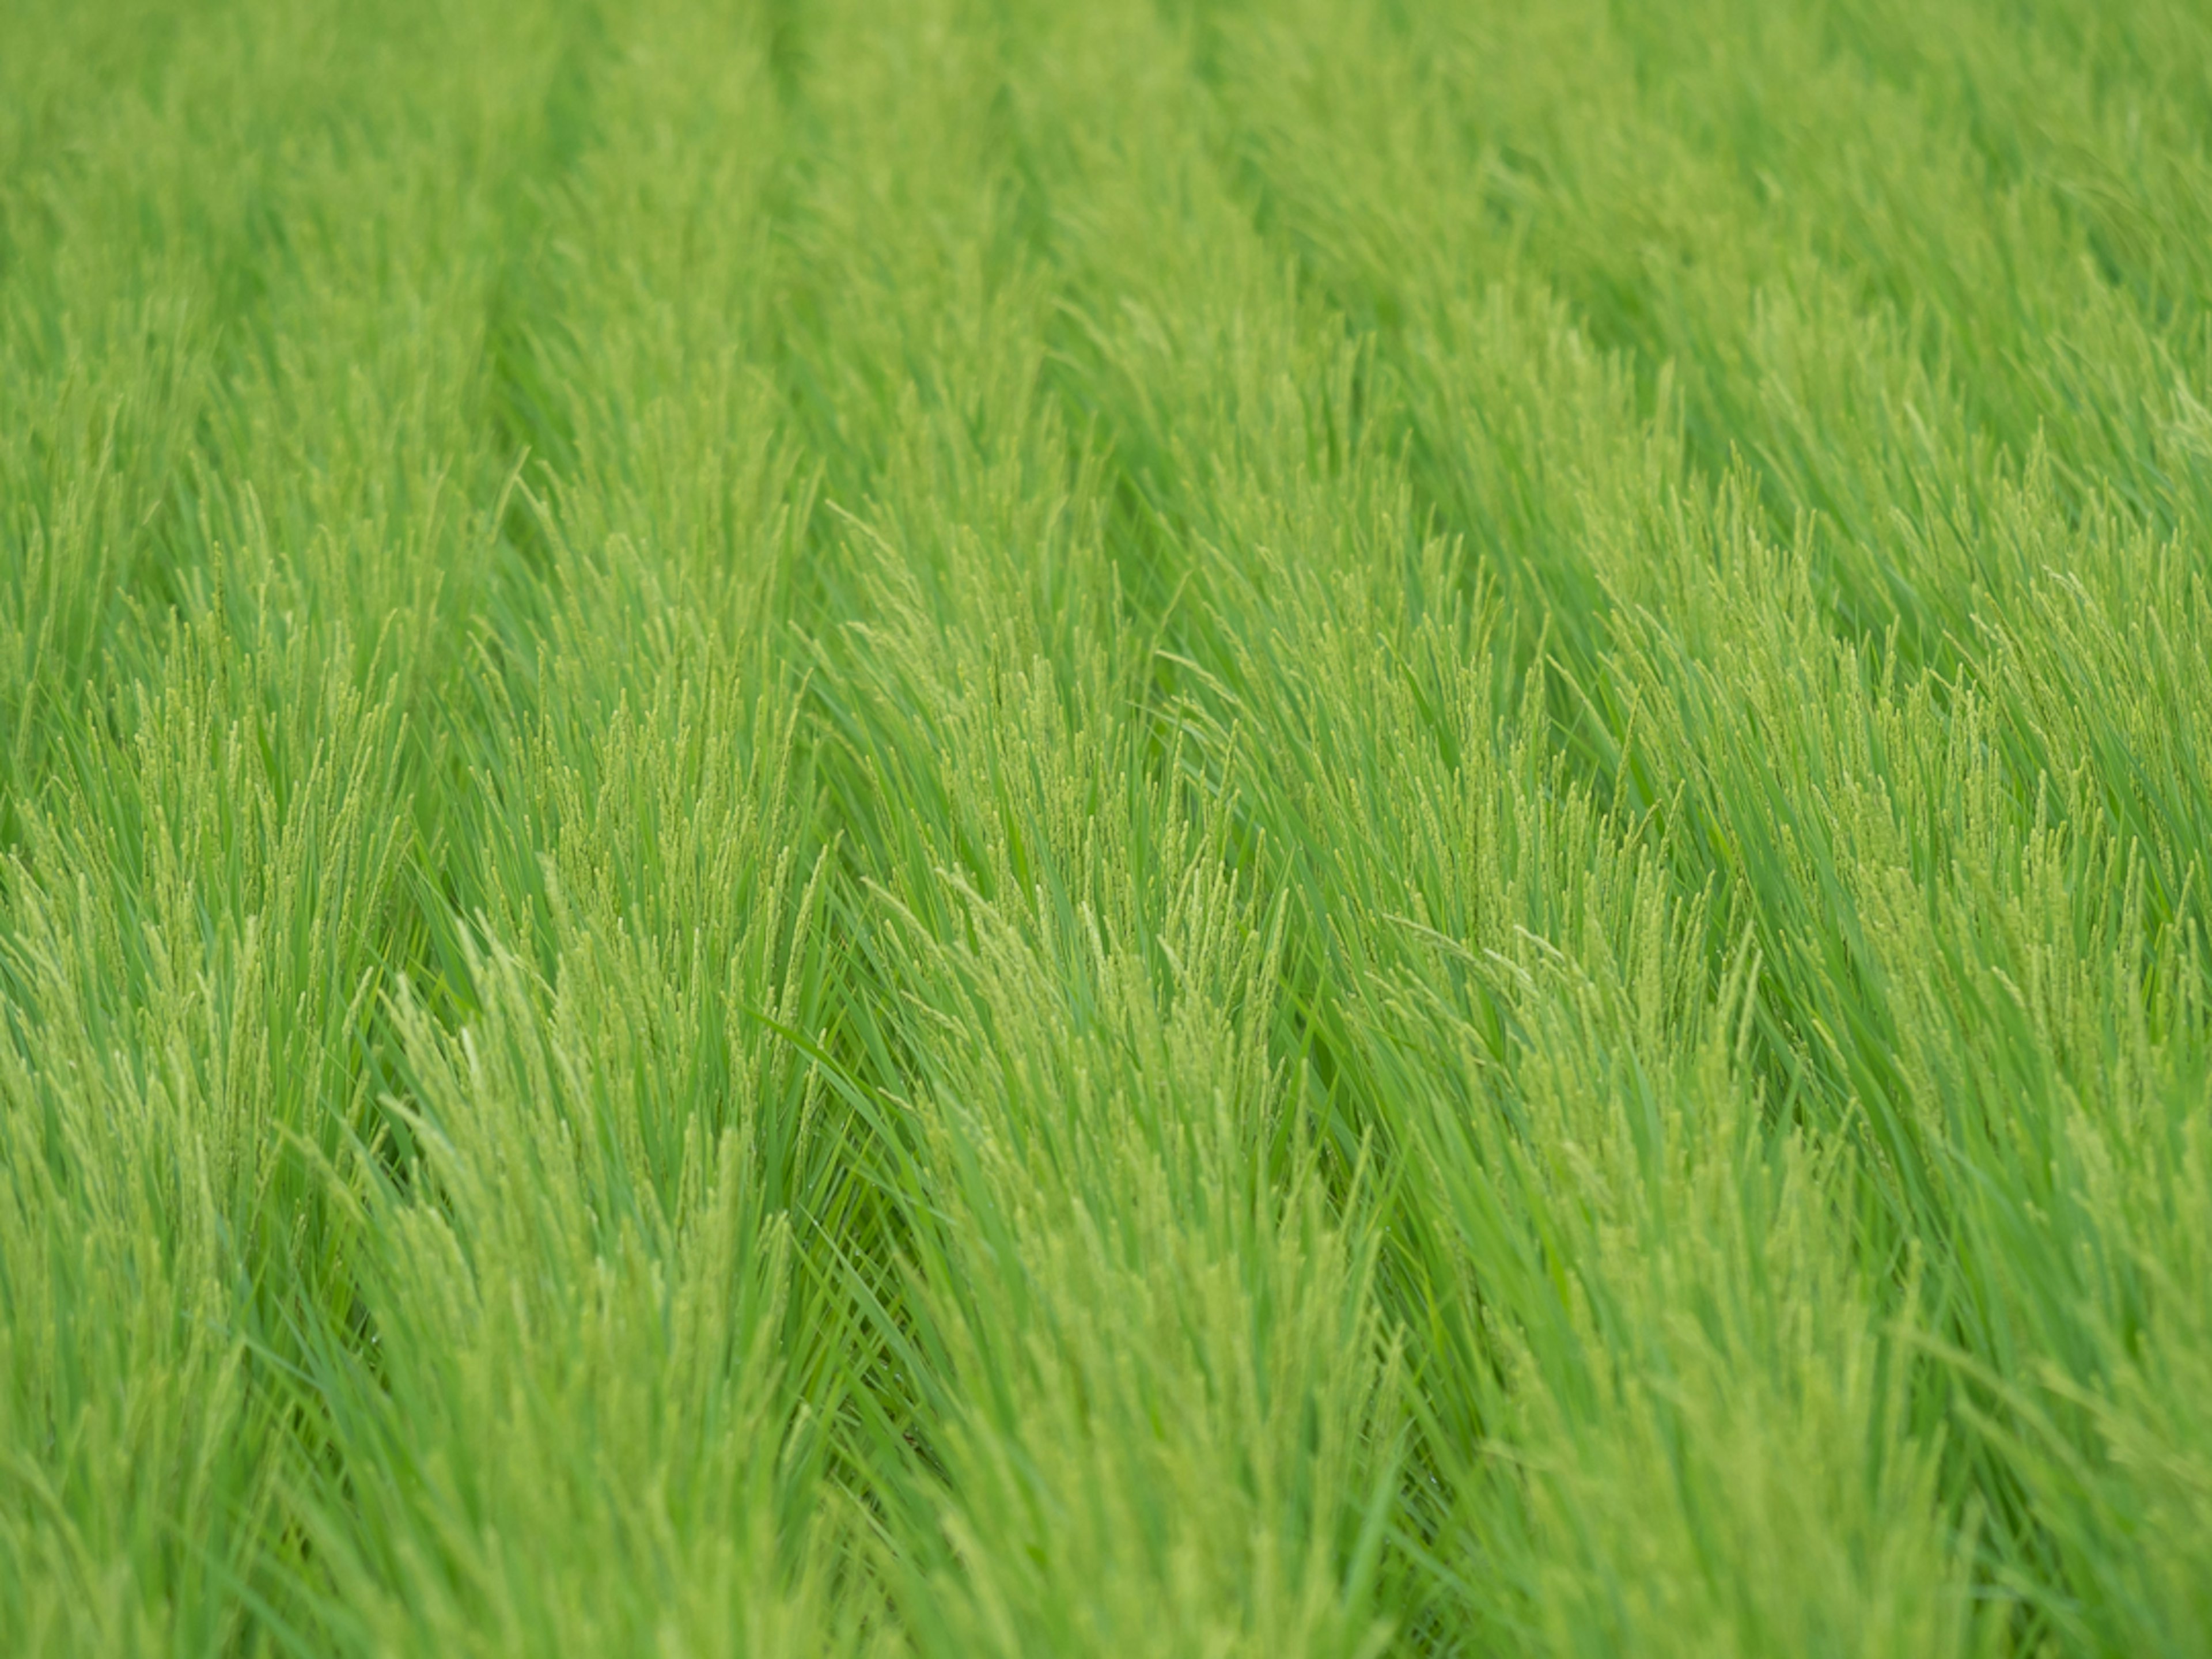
pixel 194 933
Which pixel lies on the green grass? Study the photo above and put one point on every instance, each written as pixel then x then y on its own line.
pixel 963 828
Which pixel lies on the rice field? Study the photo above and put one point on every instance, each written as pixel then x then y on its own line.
pixel 1165 828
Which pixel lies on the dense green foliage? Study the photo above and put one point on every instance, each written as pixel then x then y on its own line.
pixel 1296 828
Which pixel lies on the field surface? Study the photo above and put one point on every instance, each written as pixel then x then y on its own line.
pixel 1334 828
